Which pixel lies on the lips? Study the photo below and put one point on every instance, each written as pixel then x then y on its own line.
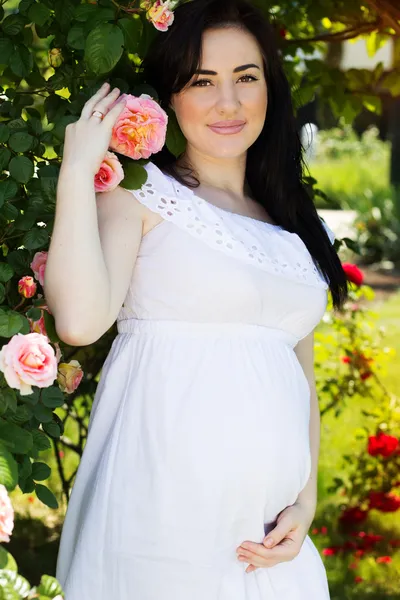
pixel 227 127
pixel 225 124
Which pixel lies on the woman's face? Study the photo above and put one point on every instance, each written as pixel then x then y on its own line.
pixel 233 89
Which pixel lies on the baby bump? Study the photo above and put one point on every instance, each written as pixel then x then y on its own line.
pixel 218 443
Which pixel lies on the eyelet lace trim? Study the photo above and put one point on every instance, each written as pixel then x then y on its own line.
pixel 266 246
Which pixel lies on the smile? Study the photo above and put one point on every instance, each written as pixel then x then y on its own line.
pixel 227 130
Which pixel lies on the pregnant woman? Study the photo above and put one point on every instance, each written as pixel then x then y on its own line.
pixel 204 433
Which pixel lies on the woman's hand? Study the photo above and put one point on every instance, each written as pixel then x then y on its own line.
pixel 87 140
pixel 288 537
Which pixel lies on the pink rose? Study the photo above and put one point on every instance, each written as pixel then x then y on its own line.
pixel 38 266
pixel 140 129
pixel 69 376
pixel 161 15
pixel 109 175
pixel 28 360
pixel 27 286
pixel 6 515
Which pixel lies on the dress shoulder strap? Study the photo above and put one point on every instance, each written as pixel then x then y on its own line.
pixel 263 245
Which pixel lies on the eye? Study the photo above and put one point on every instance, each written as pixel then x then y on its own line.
pixel 252 78
pixel 199 82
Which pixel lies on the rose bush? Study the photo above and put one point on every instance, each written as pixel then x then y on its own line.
pixel 349 360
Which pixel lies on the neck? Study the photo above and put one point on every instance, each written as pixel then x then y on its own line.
pixel 225 174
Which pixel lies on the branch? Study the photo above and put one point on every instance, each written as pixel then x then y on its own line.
pixel 340 36
pixel 388 13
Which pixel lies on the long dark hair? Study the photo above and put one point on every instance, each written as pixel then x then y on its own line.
pixel 275 167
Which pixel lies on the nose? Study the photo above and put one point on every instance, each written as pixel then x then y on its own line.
pixel 228 100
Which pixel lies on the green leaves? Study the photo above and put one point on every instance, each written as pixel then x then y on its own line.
pixel 104 47
pixel 21 61
pixel 39 13
pixel 135 174
pixel 21 168
pixel 49 587
pixel 175 140
pixel 46 496
pixel 8 468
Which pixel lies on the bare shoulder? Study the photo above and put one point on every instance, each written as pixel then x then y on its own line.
pixel 121 202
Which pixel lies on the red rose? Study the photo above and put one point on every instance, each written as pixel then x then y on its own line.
pixel 330 551
pixel 384 502
pixel 358 579
pixel 353 273
pixel 353 515
pixel 383 559
pixel 283 32
pixel 382 444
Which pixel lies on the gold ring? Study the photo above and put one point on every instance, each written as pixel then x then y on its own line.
pixel 97 113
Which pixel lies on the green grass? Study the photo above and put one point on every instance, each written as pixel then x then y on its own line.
pixel 355 183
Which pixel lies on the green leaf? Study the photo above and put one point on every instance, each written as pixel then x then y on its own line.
pixel 17 439
pixel 6 50
pixel 50 325
pixel 40 471
pixel 8 400
pixel 37 237
pixel 4 133
pixel 17 125
pixel 21 168
pixel 8 468
pixel 39 13
pixel 52 397
pixel 135 175
pixel 8 190
pixel 6 272
pixel 13 24
pixel 22 414
pixel 10 323
pixel 25 467
pixel 49 586
pixel 392 83
pixel 5 156
pixel 59 128
pixel 52 429
pixel 132 29
pixel 104 47
pixel 16 582
pixel 76 37
pixel 27 485
pixel 3 557
pixel 373 103
pixel 40 440
pixel 46 496
pixel 20 141
pixel 175 140
pixel 84 11
pixel 42 413
pixel 21 61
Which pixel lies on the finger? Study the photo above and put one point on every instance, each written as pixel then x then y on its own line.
pixel 251 568
pixel 114 112
pixel 106 103
pixel 251 549
pixel 89 105
pixel 277 534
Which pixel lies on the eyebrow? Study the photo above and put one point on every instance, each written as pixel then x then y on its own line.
pixel 235 70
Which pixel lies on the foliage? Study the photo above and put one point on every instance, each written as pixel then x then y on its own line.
pixel 350 362
pixel 54 55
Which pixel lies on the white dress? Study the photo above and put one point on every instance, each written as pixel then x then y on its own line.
pixel 199 431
